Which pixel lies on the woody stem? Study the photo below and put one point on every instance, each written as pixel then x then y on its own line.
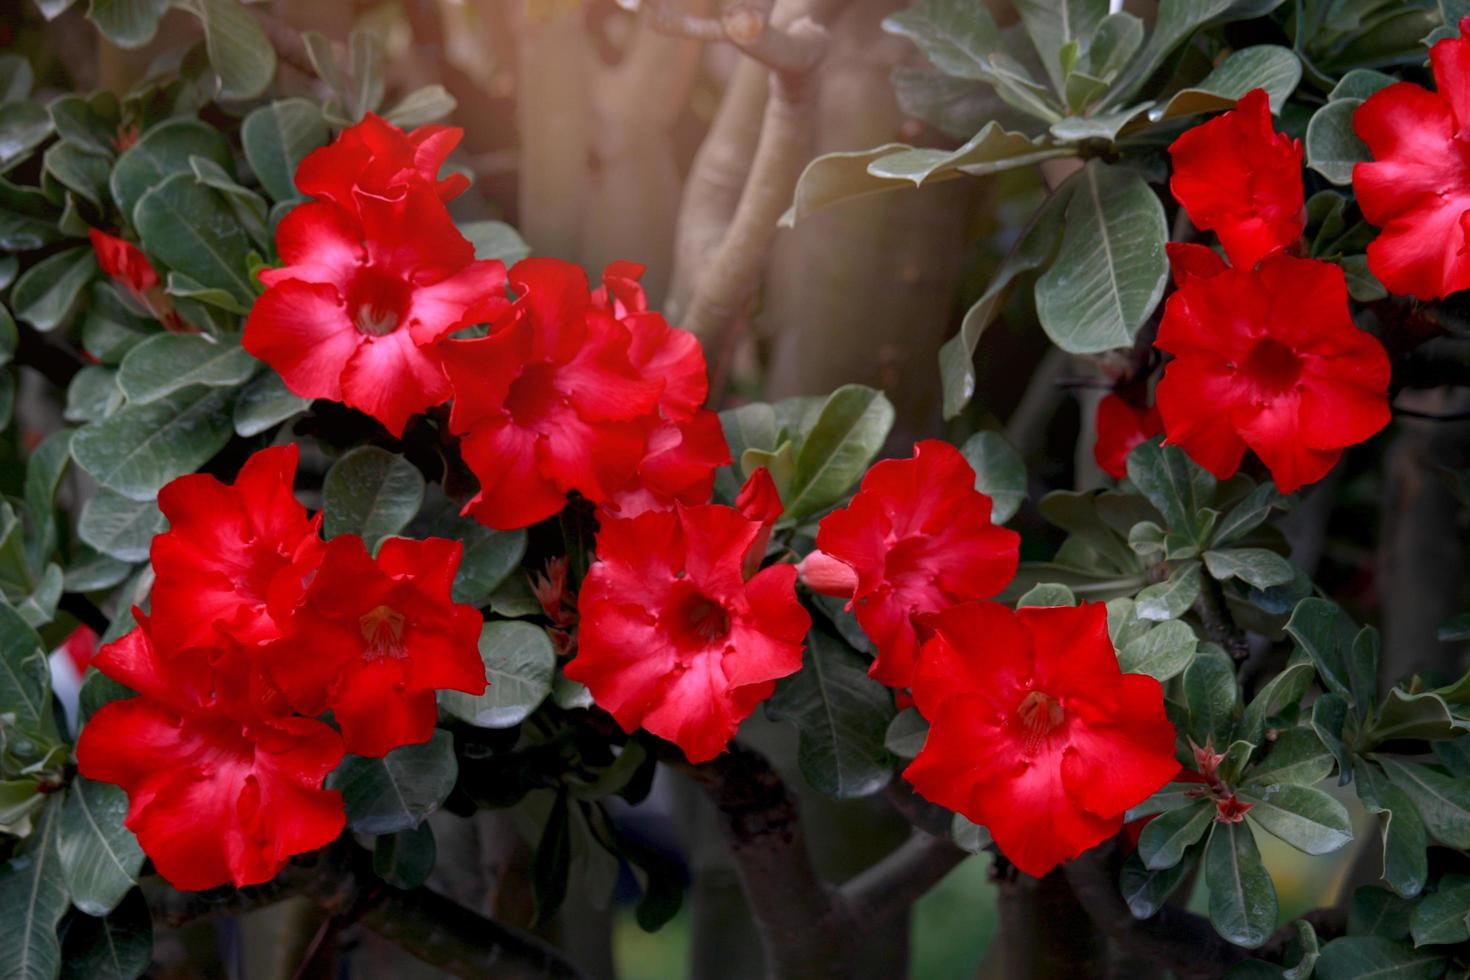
pixel 1219 625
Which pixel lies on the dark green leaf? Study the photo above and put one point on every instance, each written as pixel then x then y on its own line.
pixel 25 678
pixel 89 124
pixel 520 662
pixel 1166 837
pixel 552 864
pixel 264 403
pixel 906 733
pixel 495 240
pixel 1405 865
pixel 116 947
pixel 163 364
pixel 238 49
pixel 192 229
pixel 1162 652
pixel 1213 697
pixel 100 857
pixel 79 170
pixel 1254 566
pixel 1440 919
pixel 1443 801
pixel 1175 23
pixel 127 23
pixel 45 293
pixel 1242 898
pixel 399 790
pixel 1329 719
pixel 842 716
pixel 163 151
pixel 1146 891
pixel 372 493
pixel 848 433
pixel 1425 715
pixel 120 527
pixel 1375 958
pixel 32 901
pixel 1180 489
pixel 1360 83
pixel 1000 473
pixel 1172 597
pixel 1053 25
pixel 405 859
pixel 1265 66
pixel 27 219
pixel 422 105
pixel 1332 146
pixel 23 127
pixel 44 469
pixel 1047 594
pixel 1376 911
pixel 1326 633
pixel 1110 270
pixel 490 556
pixel 1297 756
pixel 141 447
pixel 1306 818
pixel 16 76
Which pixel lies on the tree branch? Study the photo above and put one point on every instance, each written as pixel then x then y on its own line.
pixel 424 923
pixel 890 886
pixel 1219 626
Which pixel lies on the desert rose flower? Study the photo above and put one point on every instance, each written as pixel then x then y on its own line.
pixel 678 466
pixel 1267 359
pixel 126 265
pixel 372 639
pixel 674 638
pixel 550 401
pixel 1417 189
pixel 918 538
pixel 375 156
pixel 1034 732
pixel 364 298
pixel 222 789
pixel 1121 425
pixel 225 545
pixel 1238 177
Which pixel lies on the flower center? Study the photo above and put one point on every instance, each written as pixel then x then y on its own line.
pixel 697 620
pixel 1038 715
pixel 382 633
pixel 533 395
pixel 377 303
pixel 1273 366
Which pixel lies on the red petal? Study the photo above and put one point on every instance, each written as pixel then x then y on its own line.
pixel 303 331
pixel 393 379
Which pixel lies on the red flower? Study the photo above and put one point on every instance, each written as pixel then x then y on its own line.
pixel 125 263
pixel 550 401
pixel 220 788
pixel 1121 426
pixel 372 639
pixel 375 156
pixel 678 466
pixel 1417 189
pixel 355 313
pixel 1238 177
pixel 919 538
pixel 674 639
pixel 1268 359
pixel 1034 731
pixel 224 547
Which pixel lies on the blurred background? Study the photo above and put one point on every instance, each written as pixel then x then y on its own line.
pixel 601 137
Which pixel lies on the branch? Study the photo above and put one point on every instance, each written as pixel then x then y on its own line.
pixel 748 27
pixel 422 922
pixel 1215 616
pixel 1177 939
pixel 896 881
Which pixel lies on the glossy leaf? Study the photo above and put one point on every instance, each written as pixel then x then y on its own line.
pixel 127 23
pixel 847 434
pixel 161 152
pixel 23 127
pixel 405 859
pixel 1306 818
pixel 266 402
pixel 165 363
pixel 1242 898
pixel 238 49
pixel 906 733
pixel 46 293
pixel 1172 597
pixel 1443 801
pixel 1146 890
pixel 397 791
pixel 1363 957
pixel 1297 756
pixel 1000 473
pixel 192 229
pixel 1166 837
pixel 118 946
pixel 1256 567
pixel 120 527
pixel 1332 146
pixel 1405 865
pixel 1173 483
pixel 1162 652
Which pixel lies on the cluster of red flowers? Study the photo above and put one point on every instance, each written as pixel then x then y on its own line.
pixel 257 627
pixel 1266 356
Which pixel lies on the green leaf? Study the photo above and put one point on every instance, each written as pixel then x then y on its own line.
pixel 848 433
pixel 1405 865
pixel 422 105
pixel 192 229
pixel 116 947
pixel 32 901
pixel 397 791
pixel 405 859
pixel 1147 890
pixel 552 864
pixel 88 124
pixel 120 527
pixel 239 51
pixel 1213 696
pixel 25 679
pixel 1326 633
pixel 842 716
pixel 968 835
pixel 23 127
pixel 1162 652
pixel 1166 837
pixel 1246 516
pixel 906 733
pixel 366 51
pixel 1242 898
pixel 1176 21
pixel 79 170
pixel 372 493
pixel 520 662
pixel 16 76
pixel 1441 918
pixel 1052 25
pixel 45 294
pixel 1171 598
pixel 1275 69
pixel 266 402
pixel 959 107
pixel 100 858
pixel 127 23
pixel 165 363
pixel 1297 756
pixel 1329 719
pixel 1180 489
pixel 1306 938
pixel 1306 818
pixel 1376 958
pixel 1376 911
pixel 27 219
pixel 1443 801
pixel 161 152
pixel 139 448
pixel 989 151
pixel 1256 567
pixel 490 557
pixel 1110 270
pixel 1047 594
pixel 44 470
pixel 1000 473
pixel 1332 146
pixel 1425 715
pixel 495 240
pixel 1033 249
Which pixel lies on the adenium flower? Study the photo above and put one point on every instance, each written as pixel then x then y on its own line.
pixel 1034 731
pixel 1417 189
pixel 1121 425
pixel 126 265
pixel 372 639
pixel 224 547
pixel 1267 359
pixel 1238 177
pixel 674 638
pixel 917 538
pixel 375 156
pixel 364 297
pixel 221 788
pixel 550 401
